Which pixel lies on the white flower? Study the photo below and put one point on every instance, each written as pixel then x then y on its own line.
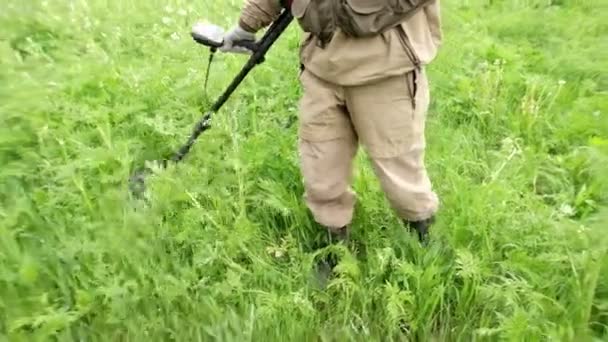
pixel 175 36
pixel 567 209
pixel 561 82
pixel 166 20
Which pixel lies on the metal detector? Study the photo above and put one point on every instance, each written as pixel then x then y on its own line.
pixel 212 37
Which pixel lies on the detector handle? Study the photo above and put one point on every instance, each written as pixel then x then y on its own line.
pixel 212 36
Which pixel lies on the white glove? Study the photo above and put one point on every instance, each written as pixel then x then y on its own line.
pixel 236 34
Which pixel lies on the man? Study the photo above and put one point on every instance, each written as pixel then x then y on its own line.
pixel 369 89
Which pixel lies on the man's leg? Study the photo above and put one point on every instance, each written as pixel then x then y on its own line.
pixel 327 146
pixel 389 117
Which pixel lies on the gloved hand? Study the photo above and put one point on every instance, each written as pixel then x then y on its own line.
pixel 236 34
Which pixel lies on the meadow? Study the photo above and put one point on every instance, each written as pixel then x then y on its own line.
pixel 222 247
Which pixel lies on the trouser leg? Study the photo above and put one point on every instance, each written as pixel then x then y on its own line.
pixel 389 118
pixel 327 146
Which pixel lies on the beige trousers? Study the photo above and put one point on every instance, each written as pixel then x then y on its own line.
pixel 388 121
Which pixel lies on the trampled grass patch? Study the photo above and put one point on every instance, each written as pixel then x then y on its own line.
pixel 222 248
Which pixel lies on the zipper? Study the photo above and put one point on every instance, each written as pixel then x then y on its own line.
pixel 409 50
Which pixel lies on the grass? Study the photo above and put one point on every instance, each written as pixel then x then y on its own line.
pixel 223 246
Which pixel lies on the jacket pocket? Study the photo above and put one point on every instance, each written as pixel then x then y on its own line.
pixel 316 17
pixel 365 6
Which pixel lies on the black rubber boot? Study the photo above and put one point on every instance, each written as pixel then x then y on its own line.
pixel 326 265
pixel 421 228
pixel 338 235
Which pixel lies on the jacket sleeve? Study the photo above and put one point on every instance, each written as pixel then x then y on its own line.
pixel 257 14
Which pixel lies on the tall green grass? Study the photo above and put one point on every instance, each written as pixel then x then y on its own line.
pixel 222 248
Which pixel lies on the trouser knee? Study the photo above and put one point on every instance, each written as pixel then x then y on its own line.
pixel 407 187
pixel 326 167
pixel 414 206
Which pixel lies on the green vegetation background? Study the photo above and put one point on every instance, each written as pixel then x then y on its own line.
pixel 223 247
